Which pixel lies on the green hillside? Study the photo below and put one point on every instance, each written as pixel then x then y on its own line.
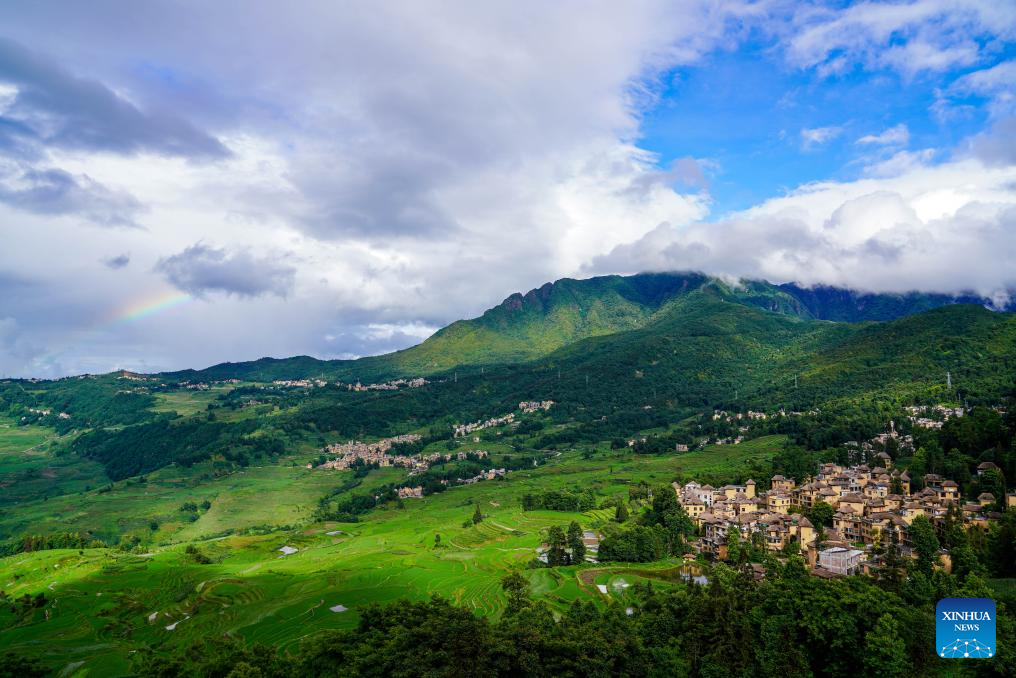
pixel 528 326
pixel 699 350
pixel 140 517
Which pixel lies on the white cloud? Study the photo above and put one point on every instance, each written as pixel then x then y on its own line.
pixel 396 166
pixel 908 37
pixel 415 165
pixel 947 228
pixel 997 84
pixel 898 135
pixel 900 163
pixel 817 136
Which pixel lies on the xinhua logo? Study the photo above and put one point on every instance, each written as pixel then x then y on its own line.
pixel 965 628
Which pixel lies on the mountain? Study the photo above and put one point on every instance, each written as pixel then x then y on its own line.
pixel 835 303
pixel 528 326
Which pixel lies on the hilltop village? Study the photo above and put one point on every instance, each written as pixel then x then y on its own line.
pixel 870 507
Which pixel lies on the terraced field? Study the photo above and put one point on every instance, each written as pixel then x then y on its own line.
pixel 107 603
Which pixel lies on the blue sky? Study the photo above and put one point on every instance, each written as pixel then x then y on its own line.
pixel 188 183
pixel 743 110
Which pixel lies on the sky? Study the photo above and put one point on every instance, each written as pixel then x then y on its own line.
pixel 184 183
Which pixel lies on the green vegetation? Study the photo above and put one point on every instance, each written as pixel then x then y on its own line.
pixel 159 527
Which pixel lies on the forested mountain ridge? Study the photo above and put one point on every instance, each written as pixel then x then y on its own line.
pixel 528 326
pixel 701 350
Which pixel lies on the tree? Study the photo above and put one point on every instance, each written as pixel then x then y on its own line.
pixel 516 587
pixel 885 653
pixel 993 482
pixel 679 526
pixel 621 513
pixel 557 544
pixel 918 468
pixel 821 514
pixel 575 543
pixel 922 535
pixel 735 553
pixel 14 666
pixel 477 516
pixel 1001 545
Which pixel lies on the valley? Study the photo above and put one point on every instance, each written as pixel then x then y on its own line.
pixel 276 502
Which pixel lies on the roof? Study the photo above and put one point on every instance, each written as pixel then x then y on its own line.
pixel 836 550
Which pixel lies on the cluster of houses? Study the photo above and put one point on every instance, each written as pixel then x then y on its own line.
pixel 530 406
pixel 465 429
pixel 489 474
pixel 46 413
pixel 299 383
pixel 744 419
pixel 349 453
pixel 871 504
pixel 927 416
pixel 750 415
pixel 865 450
pixel 393 385
pixel 346 454
pixel 526 407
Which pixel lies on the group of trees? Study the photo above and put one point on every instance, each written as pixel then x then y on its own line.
pixel 559 500
pixel 145 447
pixel 661 530
pixel 565 548
pixel 46 542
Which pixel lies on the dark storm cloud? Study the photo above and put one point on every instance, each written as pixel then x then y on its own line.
pixel 200 269
pixel 54 192
pixel 54 108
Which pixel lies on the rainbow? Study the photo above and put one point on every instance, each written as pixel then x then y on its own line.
pixel 125 315
pixel 145 309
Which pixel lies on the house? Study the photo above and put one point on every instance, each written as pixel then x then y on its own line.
pixel 949 491
pixel 778 503
pixel 986 466
pixel 781 484
pixel 839 560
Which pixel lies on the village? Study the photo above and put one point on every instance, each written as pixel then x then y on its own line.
pixel 932 416
pixel 393 385
pixel 352 452
pixel 377 453
pixel 872 505
pixel 526 407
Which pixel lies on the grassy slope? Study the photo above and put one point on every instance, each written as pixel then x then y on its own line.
pixel 103 599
